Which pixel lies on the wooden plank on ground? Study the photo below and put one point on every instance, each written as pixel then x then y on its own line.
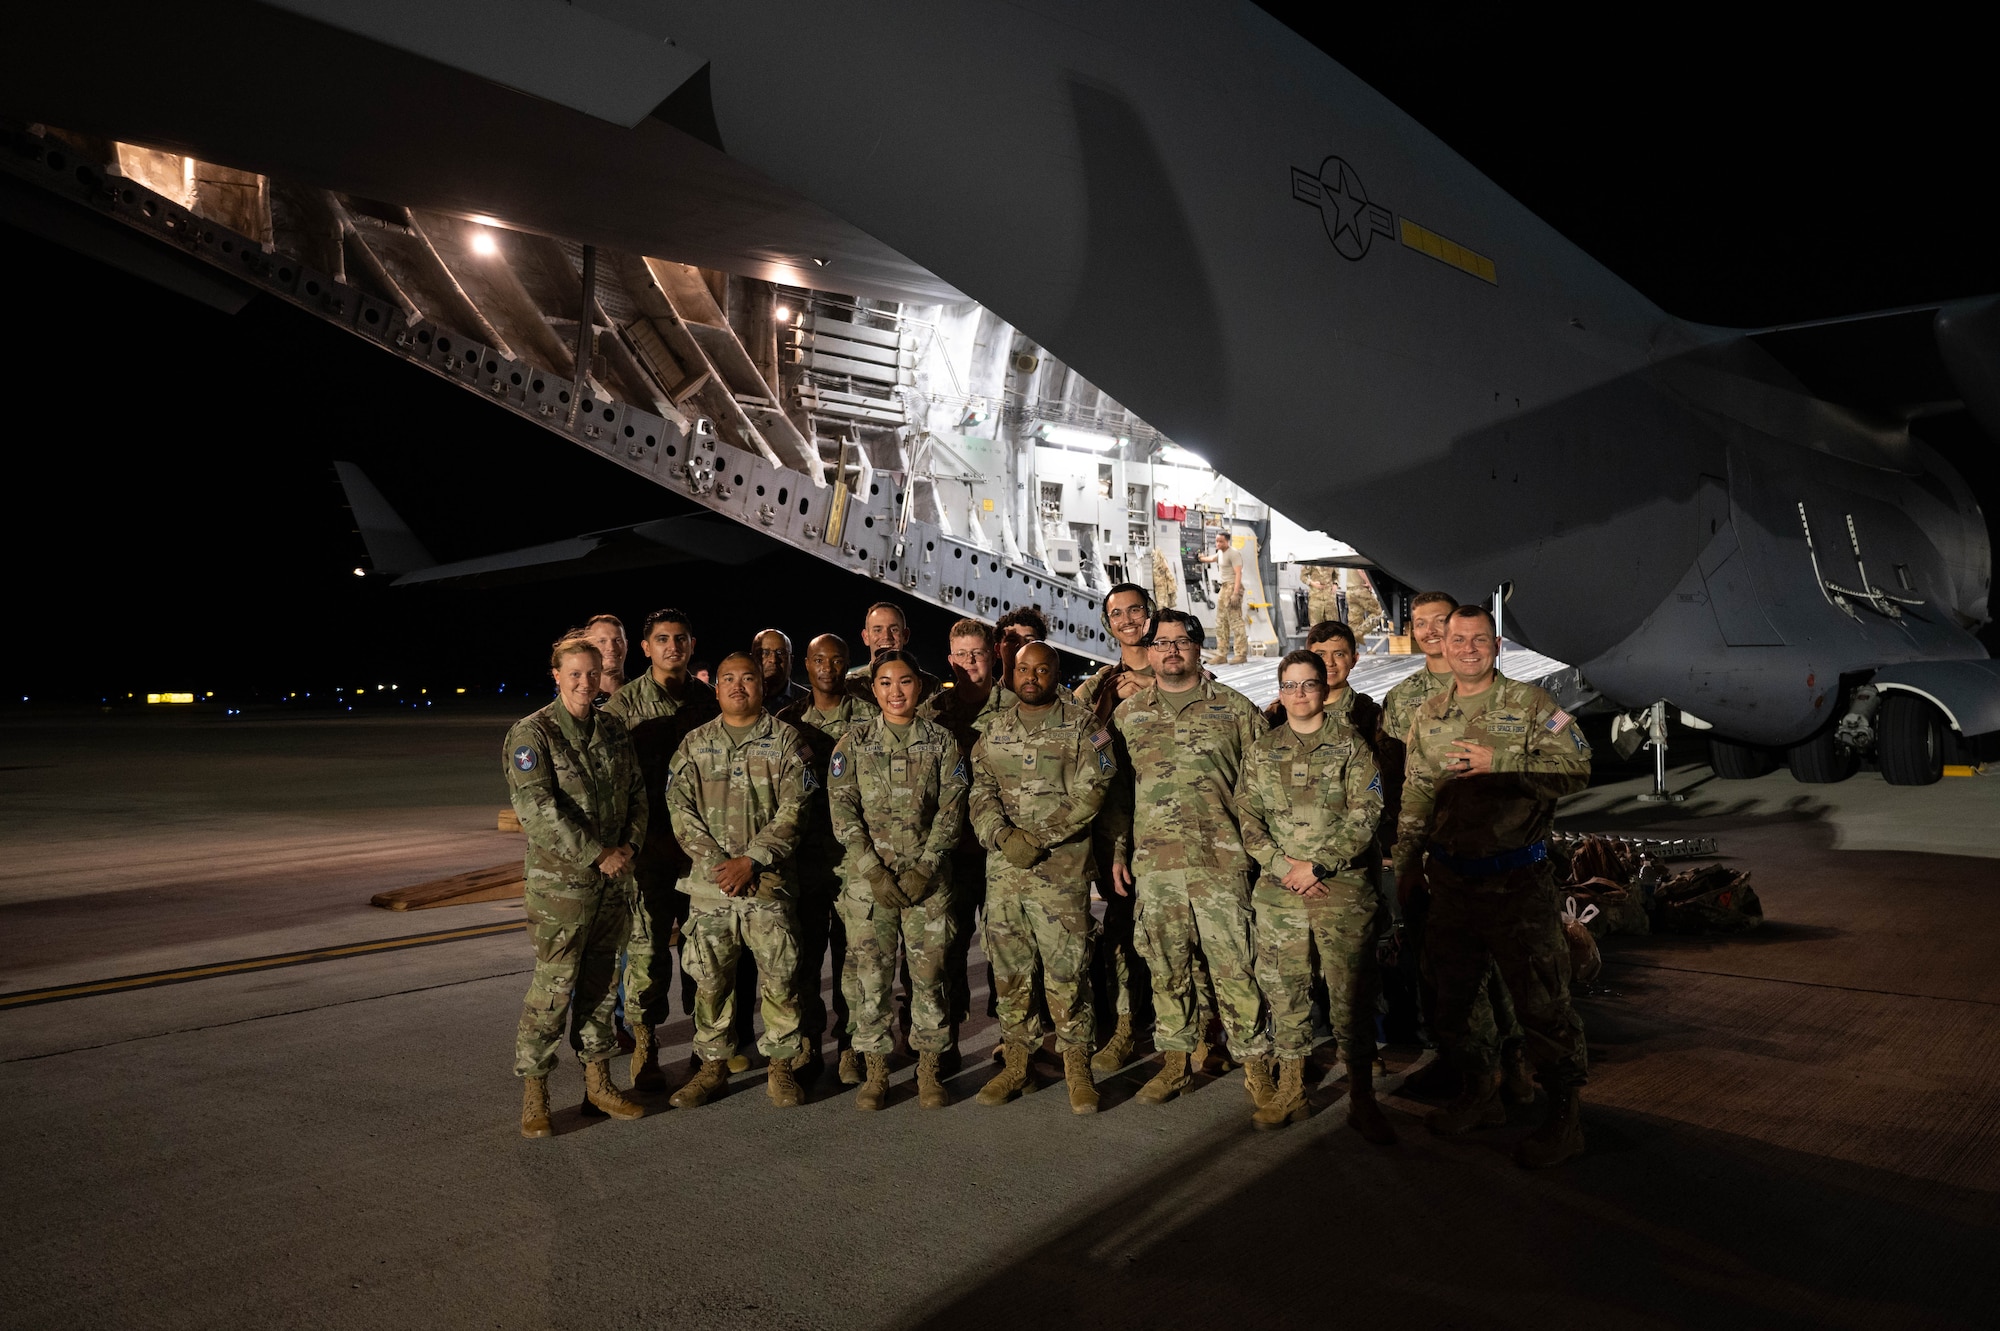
pixel 502 882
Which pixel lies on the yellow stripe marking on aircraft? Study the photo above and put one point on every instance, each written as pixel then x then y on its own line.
pixel 1425 241
pixel 27 997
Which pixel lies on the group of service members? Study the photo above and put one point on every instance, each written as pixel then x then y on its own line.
pixel 882 814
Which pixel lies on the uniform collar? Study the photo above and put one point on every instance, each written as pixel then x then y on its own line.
pixel 578 733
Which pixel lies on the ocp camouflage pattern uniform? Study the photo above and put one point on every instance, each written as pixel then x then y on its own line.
pixel 1165 593
pixel 817 869
pixel 1315 798
pixel 577 789
pixel 898 803
pixel 1115 951
pixel 1482 916
pixel 1229 606
pixel 1187 855
pixel 1492 1021
pixel 657 721
pixel 952 709
pixel 1047 776
pixel 1322 584
pixel 731 797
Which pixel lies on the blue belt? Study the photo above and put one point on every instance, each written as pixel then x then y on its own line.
pixel 1505 862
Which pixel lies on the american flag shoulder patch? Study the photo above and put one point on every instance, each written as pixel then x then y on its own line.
pixel 1100 739
pixel 1554 725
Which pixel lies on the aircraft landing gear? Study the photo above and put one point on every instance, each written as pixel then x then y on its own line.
pixel 1910 741
pixel 1738 762
pixel 1821 760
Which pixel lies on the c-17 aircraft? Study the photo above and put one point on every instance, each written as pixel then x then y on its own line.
pixel 1210 237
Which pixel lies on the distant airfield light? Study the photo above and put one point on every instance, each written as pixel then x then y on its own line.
pixel 168 697
pixel 483 243
pixel 209 694
pixel 458 690
pixel 360 572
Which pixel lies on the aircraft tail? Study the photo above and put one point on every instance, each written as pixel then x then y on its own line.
pixel 392 547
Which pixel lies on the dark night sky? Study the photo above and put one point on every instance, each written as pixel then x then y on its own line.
pixel 174 522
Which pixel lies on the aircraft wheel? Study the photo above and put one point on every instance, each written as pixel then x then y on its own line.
pixel 1738 762
pixel 1820 761
pixel 1909 744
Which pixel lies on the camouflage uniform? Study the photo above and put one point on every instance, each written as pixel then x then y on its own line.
pixel 1046 776
pixel 898 803
pixel 1485 915
pixel 951 709
pixel 1114 952
pixel 729 798
pixel 1187 855
pixel 1315 798
pixel 1492 1021
pixel 1165 593
pixel 817 868
pixel 1322 584
pixel 1229 605
pixel 577 789
pixel 657 721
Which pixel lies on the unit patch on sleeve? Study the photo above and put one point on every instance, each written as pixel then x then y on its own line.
pixel 524 758
pixel 1375 784
pixel 838 765
pixel 958 773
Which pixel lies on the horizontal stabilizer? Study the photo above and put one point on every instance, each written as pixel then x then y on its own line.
pixel 688 539
pixel 392 546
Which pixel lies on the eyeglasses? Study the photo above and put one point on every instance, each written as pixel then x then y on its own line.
pixel 1301 686
pixel 1169 644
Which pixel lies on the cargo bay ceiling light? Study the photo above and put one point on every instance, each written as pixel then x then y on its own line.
pixel 483 243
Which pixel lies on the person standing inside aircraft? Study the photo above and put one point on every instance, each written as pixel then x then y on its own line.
pixel 1179 843
pixel 1164 592
pixel 1229 628
pixel 773 649
pixel 1039 775
pixel 1127 613
pixel 1494 1030
pixel 607 634
pixel 575 784
pixel 1322 587
pixel 822 718
pixel 1488 760
pixel 1308 799
pixel 657 709
pixel 737 793
pixel 897 789
pixel 974 698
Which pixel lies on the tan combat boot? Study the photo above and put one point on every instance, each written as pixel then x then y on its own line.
pixel 931 1092
pixel 874 1092
pixel 1517 1079
pixel 1561 1135
pixel 1172 1078
pixel 599 1091
pixel 1117 1051
pixel 850 1068
pixel 1287 1104
pixel 646 1074
pixel 535 1107
pixel 1257 1080
pixel 1012 1080
pixel 1364 1112
pixel 703 1086
pixel 1076 1071
pixel 782 1086
pixel 1477 1106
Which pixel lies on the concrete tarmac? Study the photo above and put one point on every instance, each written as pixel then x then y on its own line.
pixel 1796 1128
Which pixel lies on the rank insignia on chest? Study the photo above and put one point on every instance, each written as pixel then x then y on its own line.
pixel 838 766
pixel 1301 773
pixel 1028 758
pixel 524 758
